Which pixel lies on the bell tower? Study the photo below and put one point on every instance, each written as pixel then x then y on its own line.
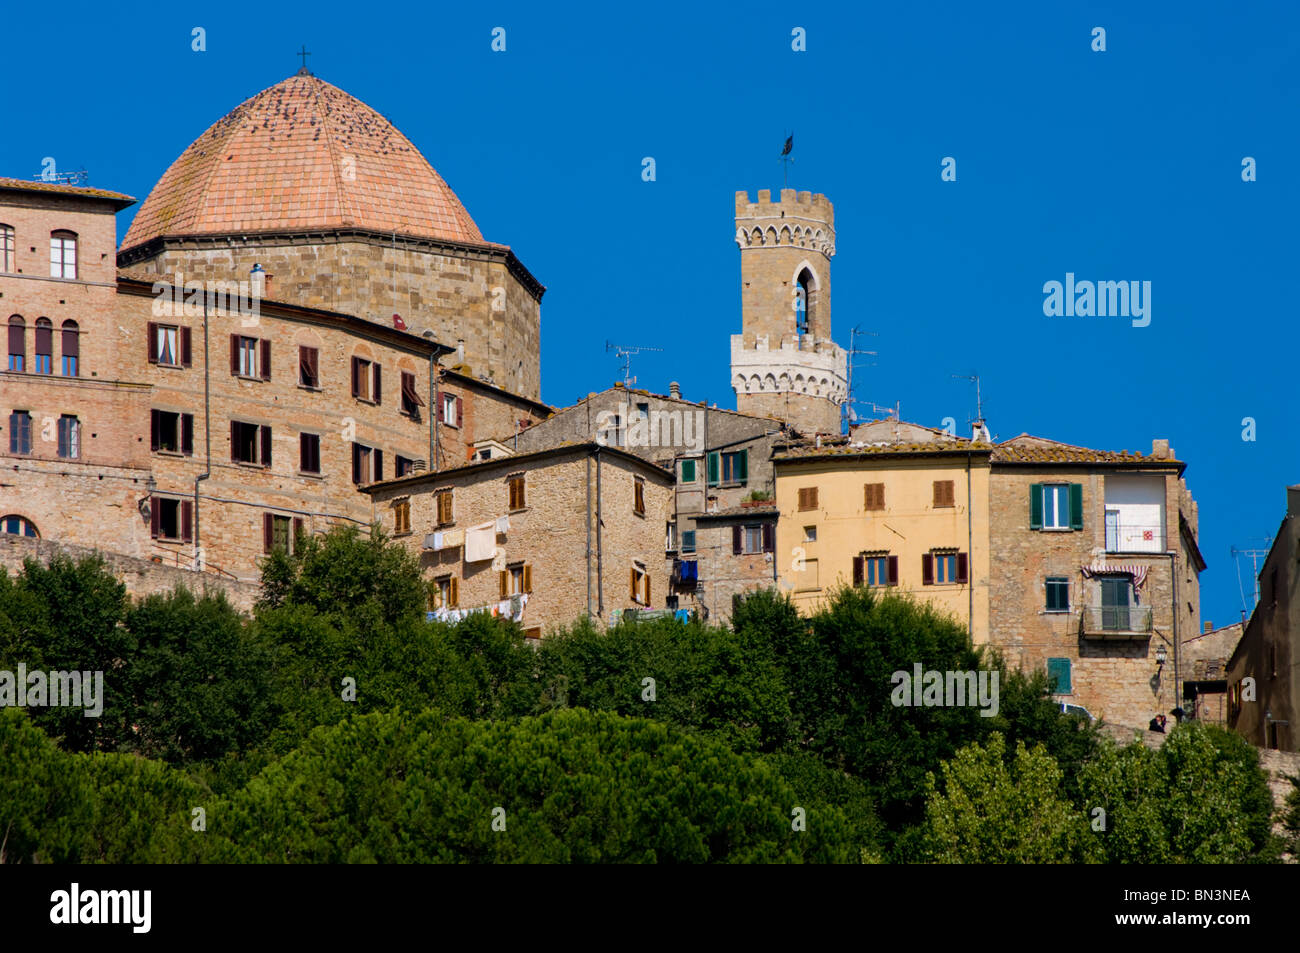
pixel 784 363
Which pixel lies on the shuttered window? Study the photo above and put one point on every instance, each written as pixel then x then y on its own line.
pixel 1056 506
pixel 308 367
pixel 517 493
pixel 445 499
pixel 72 349
pixel 401 517
pixel 873 496
pixel 808 498
pixel 943 493
pixel 20 432
pixel 638 496
pixel 411 402
pixel 69 437
pixel 1059 679
pixel 17 344
pixel 309 452
pixel 44 346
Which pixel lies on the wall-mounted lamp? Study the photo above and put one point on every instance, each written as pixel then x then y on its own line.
pixel 1161 655
pixel 146 503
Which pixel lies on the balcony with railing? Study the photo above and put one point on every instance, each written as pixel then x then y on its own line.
pixel 1129 537
pixel 1115 622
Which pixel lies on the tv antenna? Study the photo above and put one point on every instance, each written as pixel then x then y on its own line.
pixel 624 353
pixel 849 415
pixel 1255 556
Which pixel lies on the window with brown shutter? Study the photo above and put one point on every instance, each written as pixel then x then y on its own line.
pixel 309 452
pixel 264 439
pixel 377 396
pixel 266 360
pixel 444 498
pixel 411 402
pixel 454 595
pixel 527 581
pixel 503 580
pixel 186 348
pixel 943 493
pixel 859 569
pixel 808 498
pixel 308 367
pixel 873 496
pixel 517 499
pixel 401 517
pixel 927 568
pixel 638 497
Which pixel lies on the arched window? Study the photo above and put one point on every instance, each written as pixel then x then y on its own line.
pixel 806 316
pixel 63 254
pixel 18 526
pixel 44 346
pixel 71 348
pixel 17 343
pixel 7 249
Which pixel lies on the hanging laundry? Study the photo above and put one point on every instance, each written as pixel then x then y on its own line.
pixel 499 559
pixel 480 542
pixel 503 524
pixel 453 538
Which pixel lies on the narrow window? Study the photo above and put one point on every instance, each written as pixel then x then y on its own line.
pixel 44 346
pixel 7 263
pixel 638 497
pixel 20 432
pixel 411 402
pixel 401 517
pixel 63 254
pixel 69 437
pixel 71 348
pixel 309 452
pixel 517 499
pixel 444 499
pixel 17 344
pixel 309 367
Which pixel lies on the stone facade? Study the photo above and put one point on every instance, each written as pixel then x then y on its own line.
pixel 1269 651
pixel 1204 664
pixel 785 363
pixel 703 446
pixel 735 555
pixel 480 297
pixel 578 531
pixel 1113 668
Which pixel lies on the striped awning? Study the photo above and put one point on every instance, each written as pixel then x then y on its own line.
pixel 1139 573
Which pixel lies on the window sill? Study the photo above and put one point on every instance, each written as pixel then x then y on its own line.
pixel 169 367
pixel 250 466
pixel 1058 529
pixel 311 476
pixel 521 509
pixel 255 380
pixel 366 400
pixel 314 388
pixel 172 453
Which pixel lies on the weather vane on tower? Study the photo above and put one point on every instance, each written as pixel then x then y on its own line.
pixel 785 160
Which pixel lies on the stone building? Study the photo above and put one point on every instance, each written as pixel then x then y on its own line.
pixel 342 213
pixel 1204 666
pixel 1095 572
pixel 722 461
pixel 784 363
pixel 196 411
pixel 543 537
pixel 1269 650
pixel 908 517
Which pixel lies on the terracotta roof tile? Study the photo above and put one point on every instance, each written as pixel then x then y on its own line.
pixel 75 190
pixel 302 155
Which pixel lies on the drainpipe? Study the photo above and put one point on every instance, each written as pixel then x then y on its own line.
pixel 433 410
pixel 970 557
pixel 588 535
pixel 207 431
pixel 600 577
pixel 1173 571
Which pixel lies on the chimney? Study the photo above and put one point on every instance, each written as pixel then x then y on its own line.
pixel 675 390
pixel 1293 500
pixel 1160 448
pixel 1207 626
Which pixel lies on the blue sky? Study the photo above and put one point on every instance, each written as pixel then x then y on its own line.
pixel 1122 165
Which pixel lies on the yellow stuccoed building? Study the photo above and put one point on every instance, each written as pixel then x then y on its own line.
pixel 909 517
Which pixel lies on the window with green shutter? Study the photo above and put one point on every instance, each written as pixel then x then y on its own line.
pixel 1076 506
pixel 1035 506
pixel 1058 676
pixel 713 468
pixel 688 471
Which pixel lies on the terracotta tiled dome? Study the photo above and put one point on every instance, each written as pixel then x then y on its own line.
pixel 302 155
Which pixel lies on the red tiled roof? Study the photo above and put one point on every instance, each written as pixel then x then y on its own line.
pixel 884 449
pixel 82 191
pixel 302 155
pixel 1028 449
